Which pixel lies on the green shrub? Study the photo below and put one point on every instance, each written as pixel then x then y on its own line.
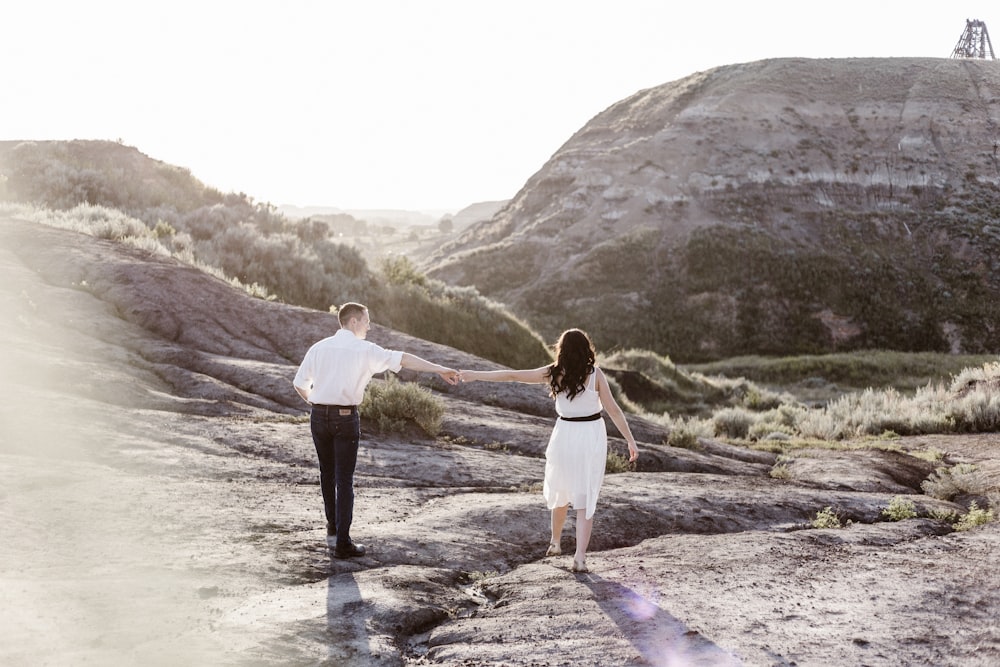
pixel 827 518
pixel 683 438
pixel 391 404
pixel 974 517
pixel 732 423
pixel 900 508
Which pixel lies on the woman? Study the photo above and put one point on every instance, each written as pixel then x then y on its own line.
pixel 578 447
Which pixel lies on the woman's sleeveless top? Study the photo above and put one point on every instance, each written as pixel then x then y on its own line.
pixel 587 402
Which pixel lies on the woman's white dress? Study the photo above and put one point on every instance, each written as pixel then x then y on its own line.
pixel 577 452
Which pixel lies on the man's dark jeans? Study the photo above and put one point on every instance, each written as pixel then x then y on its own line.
pixel 336 437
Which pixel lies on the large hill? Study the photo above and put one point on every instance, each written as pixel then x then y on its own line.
pixel 780 206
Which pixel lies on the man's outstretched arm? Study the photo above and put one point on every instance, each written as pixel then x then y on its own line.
pixel 415 363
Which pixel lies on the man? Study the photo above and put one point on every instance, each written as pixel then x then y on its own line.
pixel 332 377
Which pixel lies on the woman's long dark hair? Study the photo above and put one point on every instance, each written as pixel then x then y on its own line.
pixel 574 363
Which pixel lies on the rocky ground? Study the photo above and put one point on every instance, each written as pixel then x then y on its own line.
pixel 160 505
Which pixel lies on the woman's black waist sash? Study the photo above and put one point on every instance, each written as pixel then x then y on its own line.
pixel 589 418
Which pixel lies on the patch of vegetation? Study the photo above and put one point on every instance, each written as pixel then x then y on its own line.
pixel 632 250
pixel 969 403
pixel 392 405
pixel 850 277
pixel 733 422
pixel 899 509
pixel 616 463
pixel 932 455
pixel 948 482
pixel 827 518
pixel 499 267
pixel 780 471
pixel 477 576
pixel 683 438
pixel 534 487
pixel 974 517
pixel 904 371
pixel 945 515
pixel 456 316
pixel 64 174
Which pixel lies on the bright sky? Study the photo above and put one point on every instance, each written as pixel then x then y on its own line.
pixel 420 104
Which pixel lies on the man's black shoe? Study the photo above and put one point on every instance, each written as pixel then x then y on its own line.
pixel 351 550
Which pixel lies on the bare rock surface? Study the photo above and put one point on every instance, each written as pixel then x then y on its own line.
pixel 160 505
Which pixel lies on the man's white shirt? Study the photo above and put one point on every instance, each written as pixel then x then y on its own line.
pixel 336 370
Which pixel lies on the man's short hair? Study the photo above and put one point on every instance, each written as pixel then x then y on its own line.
pixel 349 310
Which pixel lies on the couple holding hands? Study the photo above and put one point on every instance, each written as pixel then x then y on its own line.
pixel 335 371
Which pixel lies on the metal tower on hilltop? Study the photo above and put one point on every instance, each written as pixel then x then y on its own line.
pixel 974 42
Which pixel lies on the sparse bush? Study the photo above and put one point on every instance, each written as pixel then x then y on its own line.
pixel 759 399
pixel 932 455
pixel 616 463
pixel 163 229
pixel 820 424
pixel 946 515
pixel 391 404
pixel 827 518
pixel 400 270
pixel 684 432
pixel 948 482
pixel 900 508
pixel 780 471
pixel 974 517
pixel 976 399
pixel 146 243
pixel 682 438
pixel 769 430
pixel 533 487
pixel 733 423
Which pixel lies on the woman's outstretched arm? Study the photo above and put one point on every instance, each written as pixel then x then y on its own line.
pixel 533 376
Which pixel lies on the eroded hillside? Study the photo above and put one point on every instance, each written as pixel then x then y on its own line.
pixel 771 207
